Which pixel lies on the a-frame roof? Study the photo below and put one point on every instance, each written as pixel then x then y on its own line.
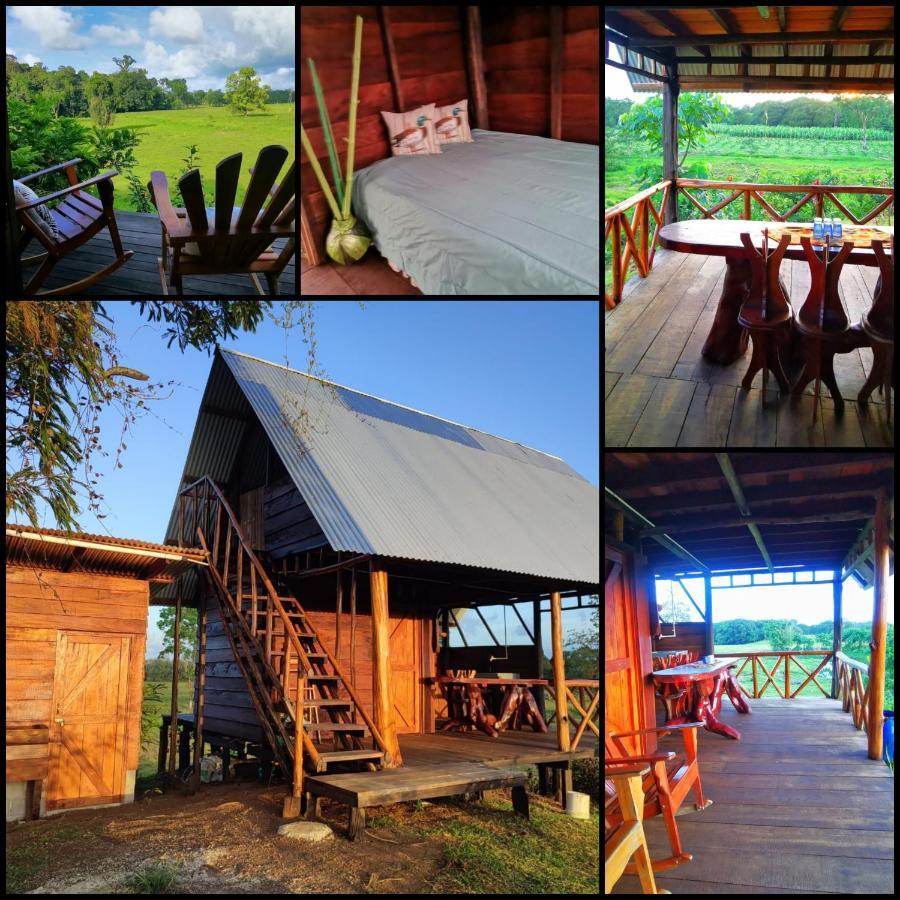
pixel 387 480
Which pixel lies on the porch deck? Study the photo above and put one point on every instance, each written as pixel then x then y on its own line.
pixel 797 808
pixel 661 393
pixel 140 275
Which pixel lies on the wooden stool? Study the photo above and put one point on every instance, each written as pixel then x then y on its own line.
pixel 766 312
pixel 878 326
pixel 822 322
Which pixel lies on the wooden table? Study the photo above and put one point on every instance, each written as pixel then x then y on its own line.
pixel 726 340
pixel 693 693
pixel 665 659
pixel 467 710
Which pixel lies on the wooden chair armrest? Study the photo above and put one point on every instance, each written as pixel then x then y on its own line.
pixel 661 730
pixel 651 758
pixel 65 165
pixel 72 187
pixel 629 772
pixel 159 187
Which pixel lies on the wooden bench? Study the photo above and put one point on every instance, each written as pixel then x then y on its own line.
pixel 359 790
pixel 27 759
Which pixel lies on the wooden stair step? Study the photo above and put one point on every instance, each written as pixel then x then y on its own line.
pixel 350 727
pixel 329 702
pixel 322 678
pixel 347 755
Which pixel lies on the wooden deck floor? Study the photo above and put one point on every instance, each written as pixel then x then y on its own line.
pixel 661 393
pixel 797 808
pixel 140 275
pixel 371 276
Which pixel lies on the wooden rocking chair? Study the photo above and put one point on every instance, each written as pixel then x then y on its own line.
pixel 670 779
pixel 627 839
pixel 239 238
pixel 79 217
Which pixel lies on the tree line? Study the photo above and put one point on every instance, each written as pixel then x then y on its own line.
pixel 76 94
pixel 788 634
pixel 863 112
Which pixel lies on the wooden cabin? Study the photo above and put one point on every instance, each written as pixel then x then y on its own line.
pixel 345 533
pixel 486 216
pixel 76 631
pixel 801 800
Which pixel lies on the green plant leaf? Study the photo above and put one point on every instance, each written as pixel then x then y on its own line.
pixel 326 132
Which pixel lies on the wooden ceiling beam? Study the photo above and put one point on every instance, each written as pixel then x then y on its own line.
pixel 734 485
pixel 782 17
pixel 849 515
pixel 632 33
pixel 840 17
pixel 783 83
pixel 726 20
pixel 809 37
pixel 665 20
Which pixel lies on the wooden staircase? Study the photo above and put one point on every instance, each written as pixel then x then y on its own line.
pixel 278 649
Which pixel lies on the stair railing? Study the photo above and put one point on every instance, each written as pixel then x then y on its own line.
pixel 214 503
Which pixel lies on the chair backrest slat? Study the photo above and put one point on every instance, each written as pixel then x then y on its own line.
pixel 192 193
pixel 269 163
pixel 227 174
pixel 283 195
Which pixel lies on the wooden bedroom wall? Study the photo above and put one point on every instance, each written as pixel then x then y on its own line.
pixel 428 44
pixel 517 70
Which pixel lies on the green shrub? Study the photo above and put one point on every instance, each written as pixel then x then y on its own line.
pixel 157 878
pixel 586 777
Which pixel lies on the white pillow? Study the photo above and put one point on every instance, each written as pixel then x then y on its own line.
pixel 40 215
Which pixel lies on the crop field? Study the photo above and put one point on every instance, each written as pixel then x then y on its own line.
pixel 217 133
pixel 744 154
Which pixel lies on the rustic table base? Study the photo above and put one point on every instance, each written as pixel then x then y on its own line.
pixel 726 340
pixel 700 700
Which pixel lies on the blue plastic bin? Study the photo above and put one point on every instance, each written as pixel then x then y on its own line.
pixel 887 752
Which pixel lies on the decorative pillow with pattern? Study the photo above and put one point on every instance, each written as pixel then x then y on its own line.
pixel 452 123
pixel 40 215
pixel 412 132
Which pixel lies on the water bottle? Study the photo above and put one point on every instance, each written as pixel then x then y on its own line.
pixel 818 230
pixel 827 229
pixel 837 230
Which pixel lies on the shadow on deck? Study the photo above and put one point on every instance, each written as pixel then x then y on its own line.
pixel 797 808
pixel 660 392
pixel 140 275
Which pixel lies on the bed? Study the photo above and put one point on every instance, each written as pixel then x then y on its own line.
pixel 507 214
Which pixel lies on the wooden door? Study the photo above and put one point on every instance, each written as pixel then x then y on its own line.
pixel 628 693
pixel 251 516
pixel 88 720
pixel 405 649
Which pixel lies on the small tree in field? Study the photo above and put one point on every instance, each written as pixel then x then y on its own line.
pixel 244 92
pixel 697 113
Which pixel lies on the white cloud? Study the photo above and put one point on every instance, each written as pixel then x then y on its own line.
pixel 272 26
pixel 284 70
pixel 56 28
pixel 186 63
pixel 30 59
pixel 177 23
pixel 111 34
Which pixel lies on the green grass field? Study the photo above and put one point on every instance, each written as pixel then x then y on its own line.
pixel 217 132
pixel 759 160
pixel 150 748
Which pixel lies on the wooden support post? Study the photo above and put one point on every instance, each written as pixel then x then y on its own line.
pixel 184 748
pixel 176 650
pixel 390 54
pixel 878 644
pixel 475 67
pixel 357 823
pixel 556 67
pixel 201 686
pixel 838 632
pixel 559 674
pixel 619 524
pixel 383 698
pixel 353 630
pixel 670 144
pixel 163 745
pixel 709 640
pixel 565 783
pixel 542 779
pixel 338 612
pixel 292 801
pixel 538 654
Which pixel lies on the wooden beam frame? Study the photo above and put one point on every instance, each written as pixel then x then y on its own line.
pixel 670 143
pixel 718 40
pixel 475 66
pixel 734 485
pixel 642 72
pixel 556 71
pixel 726 20
pixel 843 516
pixel 879 626
pixel 708 638
pixel 390 53
pixel 200 689
pixel 704 82
pixel 782 17
pixel 840 17
pixel 837 592
pixel 563 738
pixel 176 651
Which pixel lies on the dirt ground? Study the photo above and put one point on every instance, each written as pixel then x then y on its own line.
pixel 222 841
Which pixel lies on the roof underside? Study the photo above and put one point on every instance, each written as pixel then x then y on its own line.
pixel 691 489
pixel 713 48
pixel 385 480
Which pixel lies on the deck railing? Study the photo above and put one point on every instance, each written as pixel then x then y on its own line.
pixel 853 695
pixel 640 247
pixel 786 657
pixel 583 697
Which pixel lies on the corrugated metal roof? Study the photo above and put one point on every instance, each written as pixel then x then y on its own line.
pixel 384 479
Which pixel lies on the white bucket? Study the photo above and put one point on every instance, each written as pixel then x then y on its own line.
pixel 578 805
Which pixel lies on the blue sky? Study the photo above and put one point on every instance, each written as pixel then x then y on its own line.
pixel 524 370
pixel 809 604
pixel 201 44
